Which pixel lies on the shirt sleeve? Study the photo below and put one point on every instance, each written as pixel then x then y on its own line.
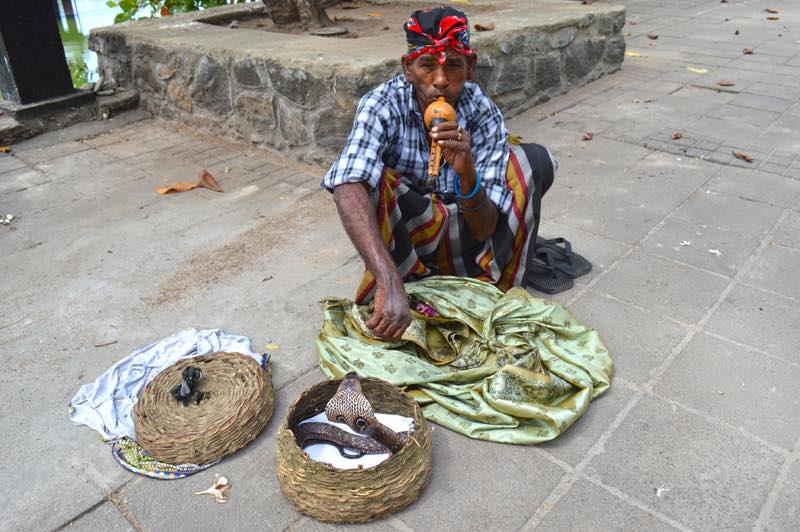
pixel 361 159
pixel 490 154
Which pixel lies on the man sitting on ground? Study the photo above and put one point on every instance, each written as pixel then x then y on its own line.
pixel 478 218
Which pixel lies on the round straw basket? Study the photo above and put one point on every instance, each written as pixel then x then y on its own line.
pixel 354 495
pixel 238 403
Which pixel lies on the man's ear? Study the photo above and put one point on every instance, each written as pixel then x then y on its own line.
pixel 472 61
pixel 407 68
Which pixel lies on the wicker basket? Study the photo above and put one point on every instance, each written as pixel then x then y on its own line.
pixel 238 404
pixel 354 495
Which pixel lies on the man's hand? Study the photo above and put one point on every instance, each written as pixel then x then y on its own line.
pixel 456 146
pixel 391 316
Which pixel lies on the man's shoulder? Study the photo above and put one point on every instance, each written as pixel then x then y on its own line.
pixel 391 92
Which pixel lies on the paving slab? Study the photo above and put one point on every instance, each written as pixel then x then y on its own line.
pixel 786 512
pixel 606 512
pixel 776 269
pixel 741 387
pixel 661 285
pixel 729 212
pixel 787 233
pixel 466 472
pixel 620 326
pixel 105 517
pixel 759 319
pixel 678 464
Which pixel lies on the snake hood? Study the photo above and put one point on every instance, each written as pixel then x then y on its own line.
pixel 351 407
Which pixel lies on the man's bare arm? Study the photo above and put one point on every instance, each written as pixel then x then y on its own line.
pixel 391 315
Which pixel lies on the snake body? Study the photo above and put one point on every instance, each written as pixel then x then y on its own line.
pixel 351 407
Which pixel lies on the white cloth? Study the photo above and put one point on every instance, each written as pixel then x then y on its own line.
pixel 106 405
pixel 329 454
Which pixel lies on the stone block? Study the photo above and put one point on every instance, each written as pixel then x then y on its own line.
pixel 246 73
pixel 563 37
pixel 759 319
pixel 511 75
pixel 176 91
pixel 757 186
pixel 546 73
pixel 776 269
pixel 211 87
pixel 680 465
pixel 331 128
pixel 299 87
pixel 292 122
pixel 610 24
pixel 466 470
pixel 620 326
pixel 145 78
pixel 578 509
pixel 745 389
pixel 615 50
pixel 581 57
pixel 256 107
pixel 668 288
pixel 9 163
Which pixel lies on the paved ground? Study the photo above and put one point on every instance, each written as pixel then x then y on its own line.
pixel 700 429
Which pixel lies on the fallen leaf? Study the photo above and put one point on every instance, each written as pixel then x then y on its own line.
pixel 588 136
pixel 743 156
pixel 626 34
pixel 633 54
pixel 484 27
pixel 5 149
pixel 227 169
pixel 725 83
pixel 772 10
pixel 164 11
pixel 773 18
pixel 697 70
pixel 652 36
pixel 677 135
pixel 204 180
pixel 639 100
pixel 217 490
pixel 460 1
pixel 272 347
pixel 715 252
pixel 736 32
pixel 375 14
pixel 747 51
pixel 686 242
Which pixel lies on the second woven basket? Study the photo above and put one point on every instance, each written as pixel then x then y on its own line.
pixel 354 495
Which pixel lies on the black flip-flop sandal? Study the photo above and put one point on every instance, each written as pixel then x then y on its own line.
pixel 541 274
pixel 567 261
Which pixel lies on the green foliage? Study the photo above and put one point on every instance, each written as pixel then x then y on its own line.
pixel 78 71
pixel 131 9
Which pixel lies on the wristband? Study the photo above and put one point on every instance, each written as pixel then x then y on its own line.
pixel 474 192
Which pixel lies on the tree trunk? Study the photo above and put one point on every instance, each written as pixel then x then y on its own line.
pixel 307 12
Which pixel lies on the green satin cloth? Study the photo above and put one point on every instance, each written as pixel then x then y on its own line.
pixel 508 368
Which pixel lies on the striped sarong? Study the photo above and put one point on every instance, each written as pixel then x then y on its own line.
pixel 426 235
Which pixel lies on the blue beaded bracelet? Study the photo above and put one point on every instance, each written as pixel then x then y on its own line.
pixel 474 192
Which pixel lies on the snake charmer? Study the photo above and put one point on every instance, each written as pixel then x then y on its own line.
pixel 477 218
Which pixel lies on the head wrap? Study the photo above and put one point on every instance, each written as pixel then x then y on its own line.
pixel 434 30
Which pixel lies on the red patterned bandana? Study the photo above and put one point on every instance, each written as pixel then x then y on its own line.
pixel 433 31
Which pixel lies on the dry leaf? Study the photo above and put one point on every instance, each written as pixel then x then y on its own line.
pixel 5 149
pixel 747 51
pixel 652 36
pixel 221 485
pixel 484 27
pixel 697 70
pixel 773 18
pixel 736 32
pixel 725 83
pixel 677 135
pixel 164 11
pixel 376 14
pixel 743 156
pixel 772 10
pixel 204 180
pixel 588 136
pixel 633 54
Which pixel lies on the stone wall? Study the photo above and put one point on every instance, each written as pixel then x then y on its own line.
pixel 287 100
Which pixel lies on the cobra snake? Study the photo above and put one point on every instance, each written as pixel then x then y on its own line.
pixel 351 407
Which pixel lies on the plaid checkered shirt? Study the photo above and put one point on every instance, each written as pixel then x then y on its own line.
pixel 388 131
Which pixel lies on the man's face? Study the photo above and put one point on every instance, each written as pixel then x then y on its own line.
pixel 431 79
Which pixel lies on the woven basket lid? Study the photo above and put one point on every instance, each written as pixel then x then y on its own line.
pixel 237 405
pixel 354 495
